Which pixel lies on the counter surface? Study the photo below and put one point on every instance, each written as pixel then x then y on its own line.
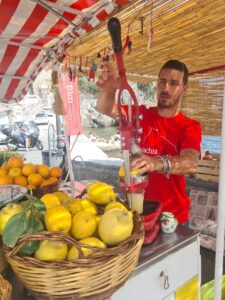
pixel 166 243
pixel 163 245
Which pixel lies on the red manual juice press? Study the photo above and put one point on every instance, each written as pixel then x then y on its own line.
pixel 129 127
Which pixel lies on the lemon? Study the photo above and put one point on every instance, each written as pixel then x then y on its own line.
pixel 84 225
pixel 51 250
pixel 91 241
pixel 97 218
pixel 114 204
pixel 73 205
pixel 73 253
pixel 132 172
pixel 7 212
pixel 90 206
pixel 115 226
pixel 50 200
pixel 62 196
pixel 121 171
pixel 100 192
pixel 58 218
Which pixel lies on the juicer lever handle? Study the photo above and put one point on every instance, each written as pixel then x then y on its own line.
pixel 114 28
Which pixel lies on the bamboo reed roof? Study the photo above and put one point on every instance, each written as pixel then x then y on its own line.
pixel 203 101
pixel 192 31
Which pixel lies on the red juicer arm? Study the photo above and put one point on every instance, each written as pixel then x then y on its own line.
pixel 128 126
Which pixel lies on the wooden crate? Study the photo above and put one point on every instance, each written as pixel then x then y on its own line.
pixel 208 170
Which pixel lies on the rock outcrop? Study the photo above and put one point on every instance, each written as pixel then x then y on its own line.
pixel 90 116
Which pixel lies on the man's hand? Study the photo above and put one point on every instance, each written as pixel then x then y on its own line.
pixel 146 163
pixel 108 80
pixel 185 163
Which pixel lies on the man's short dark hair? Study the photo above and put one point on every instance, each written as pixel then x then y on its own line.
pixel 176 65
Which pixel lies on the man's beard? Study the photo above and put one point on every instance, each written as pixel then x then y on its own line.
pixel 167 102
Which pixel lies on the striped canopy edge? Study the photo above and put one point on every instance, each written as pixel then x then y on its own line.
pixel 34 33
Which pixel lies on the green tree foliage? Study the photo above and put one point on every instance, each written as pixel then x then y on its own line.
pixel 87 86
pixel 148 89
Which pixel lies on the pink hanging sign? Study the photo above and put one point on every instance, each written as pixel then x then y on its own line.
pixel 70 95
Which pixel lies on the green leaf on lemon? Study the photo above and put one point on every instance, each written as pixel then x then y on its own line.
pixel 37 206
pixel 14 228
pixel 30 247
pixel 33 225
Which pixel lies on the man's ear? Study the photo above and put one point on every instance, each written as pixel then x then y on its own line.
pixel 185 88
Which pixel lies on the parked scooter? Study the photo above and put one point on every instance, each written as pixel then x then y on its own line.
pixel 14 139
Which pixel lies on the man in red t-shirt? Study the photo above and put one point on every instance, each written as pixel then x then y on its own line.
pixel 170 141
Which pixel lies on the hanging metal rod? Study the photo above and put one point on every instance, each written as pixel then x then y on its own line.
pixel 9 37
pixel 55 12
pixel 69 9
pixel 26 45
pixel 14 77
pixel 221 67
pixel 128 74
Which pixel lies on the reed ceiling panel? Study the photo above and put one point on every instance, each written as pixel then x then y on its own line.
pixel 192 31
pixel 203 101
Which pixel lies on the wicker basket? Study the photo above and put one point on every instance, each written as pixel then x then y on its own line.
pixel 95 277
pixel 5 289
pixel 3 261
pixel 51 188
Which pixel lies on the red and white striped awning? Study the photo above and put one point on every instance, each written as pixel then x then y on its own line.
pixel 34 32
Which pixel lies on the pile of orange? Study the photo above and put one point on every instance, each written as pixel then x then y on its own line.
pixel 16 171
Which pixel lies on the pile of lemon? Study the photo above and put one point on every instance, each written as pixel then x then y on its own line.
pixel 31 176
pixel 98 220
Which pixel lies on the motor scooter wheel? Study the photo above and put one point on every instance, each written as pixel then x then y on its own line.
pixel 12 145
pixel 39 145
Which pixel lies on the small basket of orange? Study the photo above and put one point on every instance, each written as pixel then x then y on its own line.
pixel 47 182
pixel 38 179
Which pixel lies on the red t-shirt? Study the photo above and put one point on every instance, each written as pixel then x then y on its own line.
pixel 168 136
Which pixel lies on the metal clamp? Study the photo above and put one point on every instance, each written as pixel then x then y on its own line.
pixel 166 284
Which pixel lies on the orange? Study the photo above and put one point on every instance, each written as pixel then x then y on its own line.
pixel 44 171
pixel 46 182
pixel 21 180
pixel 56 172
pixel 15 162
pixel 28 169
pixel 5 165
pixel 3 171
pixel 15 172
pixel 30 187
pixel 52 179
pixel 6 179
pixel 35 179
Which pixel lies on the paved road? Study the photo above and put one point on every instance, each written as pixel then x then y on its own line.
pixel 34 155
